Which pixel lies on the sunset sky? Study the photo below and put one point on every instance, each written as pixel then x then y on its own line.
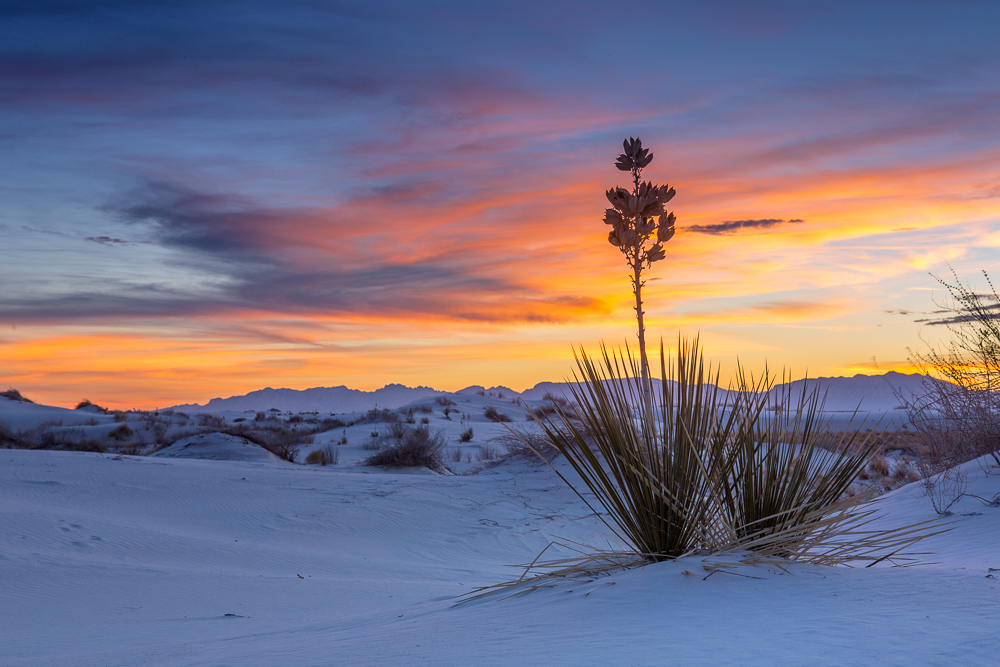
pixel 201 199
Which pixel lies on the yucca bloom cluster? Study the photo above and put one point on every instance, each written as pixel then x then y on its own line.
pixel 636 216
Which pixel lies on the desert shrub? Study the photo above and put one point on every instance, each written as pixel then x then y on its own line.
pixel 376 416
pixel 443 401
pixel 15 395
pixel 957 416
pixel 455 455
pixel 681 470
pixel 259 417
pixel 324 456
pixel 87 403
pixel 495 415
pixel 121 432
pixel 541 411
pixel 879 465
pixel 417 447
pixel 279 439
pixel 9 439
pixel 425 420
pixel 561 401
pixel 206 420
pixel 959 419
pixel 487 453
pixel 466 435
pixel 525 442
pixel 98 447
pixel 424 408
pixel 283 449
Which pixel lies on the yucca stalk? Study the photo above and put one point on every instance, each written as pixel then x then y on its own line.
pixel 635 217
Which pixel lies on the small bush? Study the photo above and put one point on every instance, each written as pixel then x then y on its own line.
pixel 87 403
pixel 15 395
pixel 444 402
pixel 324 456
pixel 375 416
pixel 495 415
pixel 9 439
pixel 425 420
pixel 879 465
pixel 417 447
pixel 526 442
pixel 561 401
pixel 121 432
pixel 424 408
pixel 466 436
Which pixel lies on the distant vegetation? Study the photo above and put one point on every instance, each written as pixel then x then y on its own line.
pixel 410 447
pixel 959 420
pixel 15 395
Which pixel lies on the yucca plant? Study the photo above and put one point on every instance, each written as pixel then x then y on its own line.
pixel 706 473
pixel 782 487
pixel 649 472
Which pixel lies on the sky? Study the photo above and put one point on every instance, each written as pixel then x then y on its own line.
pixel 201 199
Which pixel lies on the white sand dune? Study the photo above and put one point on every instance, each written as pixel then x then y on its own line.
pixel 216 447
pixel 170 561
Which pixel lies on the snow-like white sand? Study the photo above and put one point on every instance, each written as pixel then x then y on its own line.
pixel 168 561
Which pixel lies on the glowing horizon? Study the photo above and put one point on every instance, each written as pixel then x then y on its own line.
pixel 197 204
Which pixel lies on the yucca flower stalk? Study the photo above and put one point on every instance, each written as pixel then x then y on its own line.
pixel 639 219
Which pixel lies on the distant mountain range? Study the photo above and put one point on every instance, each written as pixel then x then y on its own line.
pixel 869 393
pixel 318 399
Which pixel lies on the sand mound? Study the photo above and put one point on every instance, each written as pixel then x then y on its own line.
pixel 216 447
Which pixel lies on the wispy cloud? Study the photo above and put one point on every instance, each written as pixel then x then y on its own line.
pixel 106 240
pixel 736 226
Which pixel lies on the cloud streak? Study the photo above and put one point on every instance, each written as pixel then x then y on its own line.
pixel 736 226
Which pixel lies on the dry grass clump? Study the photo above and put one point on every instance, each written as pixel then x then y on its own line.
pixel 495 415
pixel 376 416
pixel 323 456
pixel 525 442
pixel 416 447
pixel 679 470
pixel 487 453
pixel 467 435
pixel 15 395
